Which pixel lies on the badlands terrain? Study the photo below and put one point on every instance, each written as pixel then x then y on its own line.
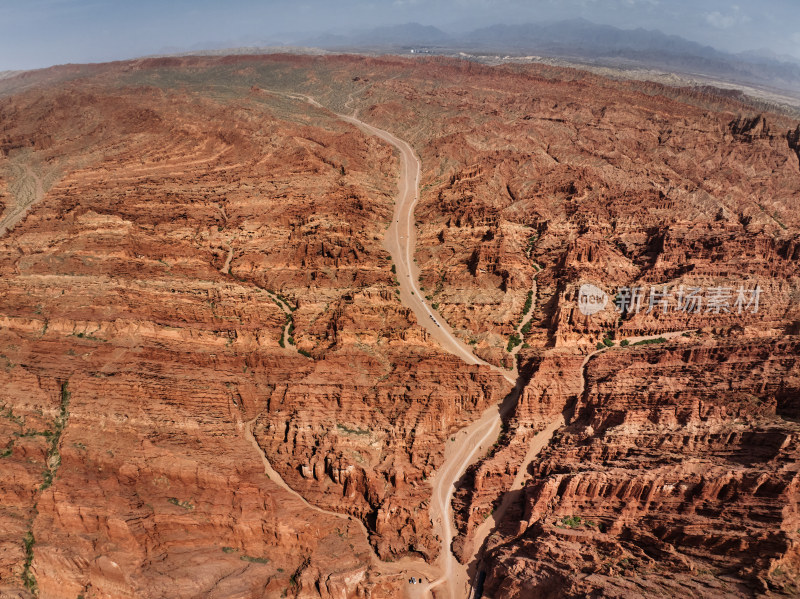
pixel 298 326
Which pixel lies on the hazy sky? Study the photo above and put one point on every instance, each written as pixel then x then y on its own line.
pixel 36 33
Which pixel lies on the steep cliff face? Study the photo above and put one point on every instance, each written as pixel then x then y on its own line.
pixel 182 263
pixel 553 384
pixel 127 473
pixel 679 470
pixel 196 265
pixel 793 137
pixel 349 443
pixel 623 188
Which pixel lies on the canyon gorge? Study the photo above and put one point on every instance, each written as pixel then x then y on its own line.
pixel 219 376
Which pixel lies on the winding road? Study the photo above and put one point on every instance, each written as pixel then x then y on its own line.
pixel 476 439
pixel 26 190
pixel 469 443
pixel 406 566
pixel 401 238
pixel 473 441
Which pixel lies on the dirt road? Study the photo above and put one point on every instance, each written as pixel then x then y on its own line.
pixel 405 567
pixel 475 440
pixel 471 442
pixel 401 239
pixel 26 191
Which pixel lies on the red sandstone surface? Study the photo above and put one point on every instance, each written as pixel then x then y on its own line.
pixel 184 252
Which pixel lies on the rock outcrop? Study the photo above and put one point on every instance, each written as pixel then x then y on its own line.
pixel 679 470
pixel 152 281
pixel 187 255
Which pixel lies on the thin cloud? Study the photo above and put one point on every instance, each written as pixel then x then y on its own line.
pixel 727 21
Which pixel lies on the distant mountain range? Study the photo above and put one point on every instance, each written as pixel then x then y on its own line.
pixel 576 38
pixel 396 36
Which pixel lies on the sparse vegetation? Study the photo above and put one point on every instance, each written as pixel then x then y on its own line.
pixel 571 521
pixel 352 431
pixel 650 341
pixel 28 579
pixel 254 560
pixel 88 336
pixel 187 505
pixel 531 244
pixel 54 437
pixel 286 301
pixel 528 303
pixel 8 450
pixel 513 342
pixel 9 414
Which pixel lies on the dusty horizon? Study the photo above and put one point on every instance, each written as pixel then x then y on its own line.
pixel 43 33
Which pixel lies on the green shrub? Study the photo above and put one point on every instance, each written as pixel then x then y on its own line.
pixel 28 579
pixel 184 504
pixel 352 431
pixel 528 302
pixel 624 343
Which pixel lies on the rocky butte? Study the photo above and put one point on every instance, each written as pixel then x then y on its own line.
pixel 213 383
